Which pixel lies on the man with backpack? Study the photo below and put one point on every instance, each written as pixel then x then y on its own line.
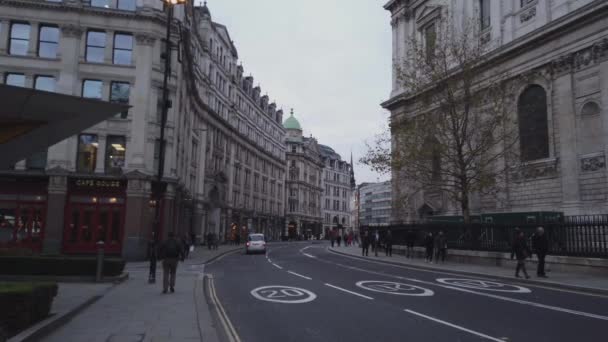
pixel 171 252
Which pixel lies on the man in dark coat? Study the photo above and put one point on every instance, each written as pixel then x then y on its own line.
pixel 388 243
pixel 540 246
pixel 429 243
pixel 171 251
pixel 520 248
pixel 365 241
pixel 410 240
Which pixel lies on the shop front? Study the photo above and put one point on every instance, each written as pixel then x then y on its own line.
pixel 95 211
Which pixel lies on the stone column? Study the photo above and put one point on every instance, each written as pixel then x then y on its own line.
pixel 198 228
pixel 56 200
pixel 33 42
pixel 139 222
pixel 604 113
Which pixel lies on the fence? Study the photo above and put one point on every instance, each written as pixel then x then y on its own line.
pixel 575 236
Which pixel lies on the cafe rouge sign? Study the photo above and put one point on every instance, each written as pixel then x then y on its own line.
pixel 84 183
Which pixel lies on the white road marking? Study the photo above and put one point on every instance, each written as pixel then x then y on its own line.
pixel 283 294
pixel 299 275
pixel 233 336
pixel 310 256
pixel 277 266
pixel 347 291
pixel 394 288
pixel 484 285
pixel 454 326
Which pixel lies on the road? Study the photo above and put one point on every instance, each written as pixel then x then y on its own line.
pixel 303 292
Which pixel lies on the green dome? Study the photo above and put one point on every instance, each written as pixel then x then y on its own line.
pixel 292 123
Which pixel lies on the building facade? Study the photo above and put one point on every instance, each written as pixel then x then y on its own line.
pixel 562 48
pixel 220 135
pixel 303 186
pixel 375 204
pixel 338 181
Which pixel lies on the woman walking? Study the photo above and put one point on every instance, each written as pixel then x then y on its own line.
pixel 429 244
pixel 520 247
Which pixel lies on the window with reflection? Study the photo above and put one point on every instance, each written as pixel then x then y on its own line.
pixel 96 44
pixel 123 48
pixel 46 83
pixel 15 79
pixel 100 3
pixel 484 11
pixel 127 5
pixel 48 41
pixel 36 161
pixel 116 146
pixel 19 39
pixel 87 153
pixel 92 89
pixel 119 93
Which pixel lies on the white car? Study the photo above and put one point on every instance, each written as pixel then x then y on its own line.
pixel 256 243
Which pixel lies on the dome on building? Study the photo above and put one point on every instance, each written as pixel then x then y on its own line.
pixel 292 123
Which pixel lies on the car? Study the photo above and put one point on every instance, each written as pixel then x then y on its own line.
pixel 256 243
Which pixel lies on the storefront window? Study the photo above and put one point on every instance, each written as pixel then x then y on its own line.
pixel 8 212
pixel 115 153
pixel 87 153
pixel 36 161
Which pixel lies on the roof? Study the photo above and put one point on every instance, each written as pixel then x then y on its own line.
pixel 292 123
pixel 32 120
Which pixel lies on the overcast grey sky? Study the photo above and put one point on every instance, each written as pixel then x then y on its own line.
pixel 328 59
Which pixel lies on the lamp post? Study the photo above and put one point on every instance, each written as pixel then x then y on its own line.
pixel 166 104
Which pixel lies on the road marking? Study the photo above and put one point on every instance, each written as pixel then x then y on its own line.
pixel 351 292
pixel 283 294
pixel 394 288
pixel 277 266
pixel 310 256
pixel 483 285
pixel 299 275
pixel 455 326
pixel 233 336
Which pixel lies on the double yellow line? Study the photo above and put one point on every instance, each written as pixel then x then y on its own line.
pixel 231 333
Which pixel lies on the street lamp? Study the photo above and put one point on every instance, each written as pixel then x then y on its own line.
pixel 166 104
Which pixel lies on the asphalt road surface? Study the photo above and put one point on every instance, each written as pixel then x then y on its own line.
pixel 303 292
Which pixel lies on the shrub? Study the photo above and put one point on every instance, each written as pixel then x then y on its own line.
pixel 58 266
pixel 24 304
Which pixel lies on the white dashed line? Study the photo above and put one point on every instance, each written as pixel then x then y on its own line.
pixel 348 291
pixel 277 266
pixel 299 275
pixel 454 326
pixel 310 256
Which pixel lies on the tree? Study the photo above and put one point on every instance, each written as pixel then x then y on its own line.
pixel 457 128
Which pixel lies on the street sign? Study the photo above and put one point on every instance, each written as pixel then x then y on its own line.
pixel 283 294
pixel 484 285
pixel 394 288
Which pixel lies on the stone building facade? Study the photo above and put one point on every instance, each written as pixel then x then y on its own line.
pixel 303 185
pixel 563 46
pixel 338 183
pixel 224 142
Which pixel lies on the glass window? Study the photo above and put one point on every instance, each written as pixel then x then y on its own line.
pixel 430 38
pixel 127 5
pixel 96 44
pixel 48 41
pixel 15 79
pixel 100 3
pixel 46 83
pixel 19 39
pixel 119 92
pixel 87 153
pixel 92 89
pixel 533 126
pixel 37 161
pixel 115 153
pixel 123 48
pixel 484 13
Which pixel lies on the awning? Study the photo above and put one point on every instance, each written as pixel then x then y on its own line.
pixel 32 120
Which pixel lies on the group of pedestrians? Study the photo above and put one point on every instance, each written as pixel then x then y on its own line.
pixel 375 241
pixel 436 247
pixel 337 239
pixel 521 251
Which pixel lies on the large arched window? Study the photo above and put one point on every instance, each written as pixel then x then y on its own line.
pixel 533 127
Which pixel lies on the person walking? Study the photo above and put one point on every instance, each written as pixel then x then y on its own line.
pixel 376 242
pixel 429 244
pixel 521 251
pixel 209 240
pixel 339 239
pixel 441 246
pixel 410 240
pixel 332 237
pixel 388 243
pixel 513 239
pixel 171 252
pixel 540 246
pixel 185 246
pixel 153 257
pixel 365 244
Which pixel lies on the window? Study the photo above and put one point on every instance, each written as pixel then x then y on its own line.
pixel 36 161
pixel 430 39
pixel 123 48
pixel 92 89
pixel 87 153
pixel 20 39
pixel 116 146
pixel 533 127
pixel 484 13
pixel 46 83
pixel 127 5
pixel 524 3
pixel 15 79
pixel 96 44
pixel 100 3
pixel 48 41
pixel 119 92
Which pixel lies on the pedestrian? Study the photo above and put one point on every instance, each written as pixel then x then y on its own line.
pixel 540 246
pixel 185 246
pixel 513 239
pixel 376 242
pixel 441 246
pixel 214 240
pixel 410 240
pixel 388 243
pixel 171 253
pixel 153 257
pixel 429 244
pixel 521 251
pixel 365 243
pixel 209 240
pixel 345 239
pixel 339 239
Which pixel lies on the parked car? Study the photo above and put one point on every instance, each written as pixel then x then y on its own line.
pixel 256 243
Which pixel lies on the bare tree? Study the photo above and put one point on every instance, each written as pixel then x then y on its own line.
pixel 458 126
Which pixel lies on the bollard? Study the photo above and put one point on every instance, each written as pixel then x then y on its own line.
pixel 100 249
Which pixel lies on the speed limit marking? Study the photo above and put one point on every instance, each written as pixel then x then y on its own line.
pixel 394 288
pixel 484 285
pixel 283 294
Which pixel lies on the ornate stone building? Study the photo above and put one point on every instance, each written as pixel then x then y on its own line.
pixel 563 45
pixel 338 185
pixel 225 154
pixel 303 184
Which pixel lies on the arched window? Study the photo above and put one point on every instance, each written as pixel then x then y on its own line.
pixel 533 127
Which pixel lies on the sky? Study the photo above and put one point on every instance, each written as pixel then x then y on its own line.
pixel 330 60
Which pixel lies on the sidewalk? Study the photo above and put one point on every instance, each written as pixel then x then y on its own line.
pixel 137 311
pixel 574 281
